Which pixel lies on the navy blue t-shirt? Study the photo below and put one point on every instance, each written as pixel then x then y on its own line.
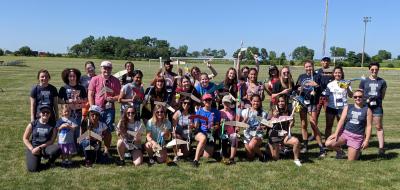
pixel 41 133
pixel 373 88
pixel 326 77
pixel 356 119
pixel 306 93
pixel 44 96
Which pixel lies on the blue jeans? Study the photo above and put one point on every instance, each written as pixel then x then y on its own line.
pixel 108 117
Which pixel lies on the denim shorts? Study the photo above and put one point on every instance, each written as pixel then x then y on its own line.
pixel 378 111
pixel 108 117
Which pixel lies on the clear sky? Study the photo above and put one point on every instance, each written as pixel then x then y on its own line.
pixel 279 25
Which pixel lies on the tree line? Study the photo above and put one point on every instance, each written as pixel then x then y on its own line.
pixel 147 47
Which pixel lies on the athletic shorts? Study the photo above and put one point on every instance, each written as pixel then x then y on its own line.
pixel 274 138
pixel 352 140
pixel 310 108
pixel 378 111
pixel 333 111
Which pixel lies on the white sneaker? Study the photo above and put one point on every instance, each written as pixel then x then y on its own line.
pixel 297 162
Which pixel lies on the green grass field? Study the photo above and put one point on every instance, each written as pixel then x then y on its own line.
pixel 369 173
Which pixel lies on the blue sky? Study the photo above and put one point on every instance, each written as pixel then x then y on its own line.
pixel 279 25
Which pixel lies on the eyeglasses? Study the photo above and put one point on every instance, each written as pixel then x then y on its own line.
pixel 130 113
pixel 356 97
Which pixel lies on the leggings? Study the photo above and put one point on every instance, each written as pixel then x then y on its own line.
pixel 51 152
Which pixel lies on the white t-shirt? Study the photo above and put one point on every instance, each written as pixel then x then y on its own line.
pixel 337 96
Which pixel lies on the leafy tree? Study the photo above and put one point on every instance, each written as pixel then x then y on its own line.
pixel 1 52
pixel 376 58
pixel 302 53
pixel 282 58
pixel 385 55
pixel 220 53
pixel 7 52
pixel 183 51
pixel 338 51
pixel 25 51
pixel 398 57
pixel 195 54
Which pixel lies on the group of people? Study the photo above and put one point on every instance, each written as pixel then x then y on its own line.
pixel 177 109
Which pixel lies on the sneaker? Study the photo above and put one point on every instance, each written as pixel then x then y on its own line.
pixel 340 154
pixel 88 164
pixel 381 152
pixel 304 150
pixel 64 164
pixel 311 138
pixel 152 161
pixel 262 158
pixel 195 163
pixel 120 162
pixel 298 163
pixel 107 155
pixel 322 154
pixel 127 155
pixel 176 159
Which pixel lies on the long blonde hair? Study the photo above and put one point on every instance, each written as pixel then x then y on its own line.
pixel 288 84
pixel 154 118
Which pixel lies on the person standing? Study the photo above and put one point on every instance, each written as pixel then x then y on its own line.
pixel 374 92
pixel 104 91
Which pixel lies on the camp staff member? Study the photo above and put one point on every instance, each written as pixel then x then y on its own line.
pixel 99 95
pixel 38 138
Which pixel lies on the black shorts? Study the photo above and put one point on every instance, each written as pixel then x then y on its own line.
pixel 333 111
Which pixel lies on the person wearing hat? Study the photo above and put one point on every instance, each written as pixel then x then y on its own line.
pixel 229 134
pixel 205 129
pixel 93 124
pixel 38 138
pixel 104 91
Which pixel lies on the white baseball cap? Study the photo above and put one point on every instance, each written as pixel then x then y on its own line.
pixel 106 64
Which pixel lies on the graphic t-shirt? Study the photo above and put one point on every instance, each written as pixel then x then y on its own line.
pixel 44 96
pixel 373 88
pixel 65 135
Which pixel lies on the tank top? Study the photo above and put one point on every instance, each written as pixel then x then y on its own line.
pixel 41 133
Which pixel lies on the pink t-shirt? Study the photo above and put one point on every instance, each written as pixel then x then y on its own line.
pixel 98 83
pixel 228 116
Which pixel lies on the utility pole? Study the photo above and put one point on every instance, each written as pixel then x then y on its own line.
pixel 365 20
pixel 325 26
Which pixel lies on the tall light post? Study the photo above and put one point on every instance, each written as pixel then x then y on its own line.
pixel 366 20
pixel 325 26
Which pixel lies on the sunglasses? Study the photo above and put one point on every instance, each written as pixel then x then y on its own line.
pixel 357 97
pixel 45 112
pixel 208 100
pixel 159 112
pixel 185 102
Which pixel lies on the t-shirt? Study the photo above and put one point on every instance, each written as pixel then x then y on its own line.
pixel 356 119
pixel 212 115
pixel 170 80
pixel 70 93
pixel 44 96
pixel 306 93
pixel 253 121
pixel 277 87
pixel 157 131
pixel 134 127
pixel 129 89
pixel 65 135
pixel 41 133
pixel 228 116
pixel 127 78
pixel 373 88
pixel 326 77
pixel 98 83
pixel 337 97
pixel 203 90
pixel 85 80
pixel 182 127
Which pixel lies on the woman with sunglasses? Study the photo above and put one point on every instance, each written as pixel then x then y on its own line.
pixel 132 94
pixel 182 124
pixel 253 135
pixel 206 129
pixel 157 132
pixel 375 89
pixel 129 131
pixel 38 138
pixel 284 86
pixel 44 93
pixel 337 99
pixel 353 129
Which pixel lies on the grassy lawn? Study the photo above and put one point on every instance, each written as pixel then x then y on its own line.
pixel 369 173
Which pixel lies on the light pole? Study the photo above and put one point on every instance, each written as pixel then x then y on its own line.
pixel 366 20
pixel 325 26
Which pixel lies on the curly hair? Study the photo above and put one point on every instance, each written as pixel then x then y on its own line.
pixel 67 71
